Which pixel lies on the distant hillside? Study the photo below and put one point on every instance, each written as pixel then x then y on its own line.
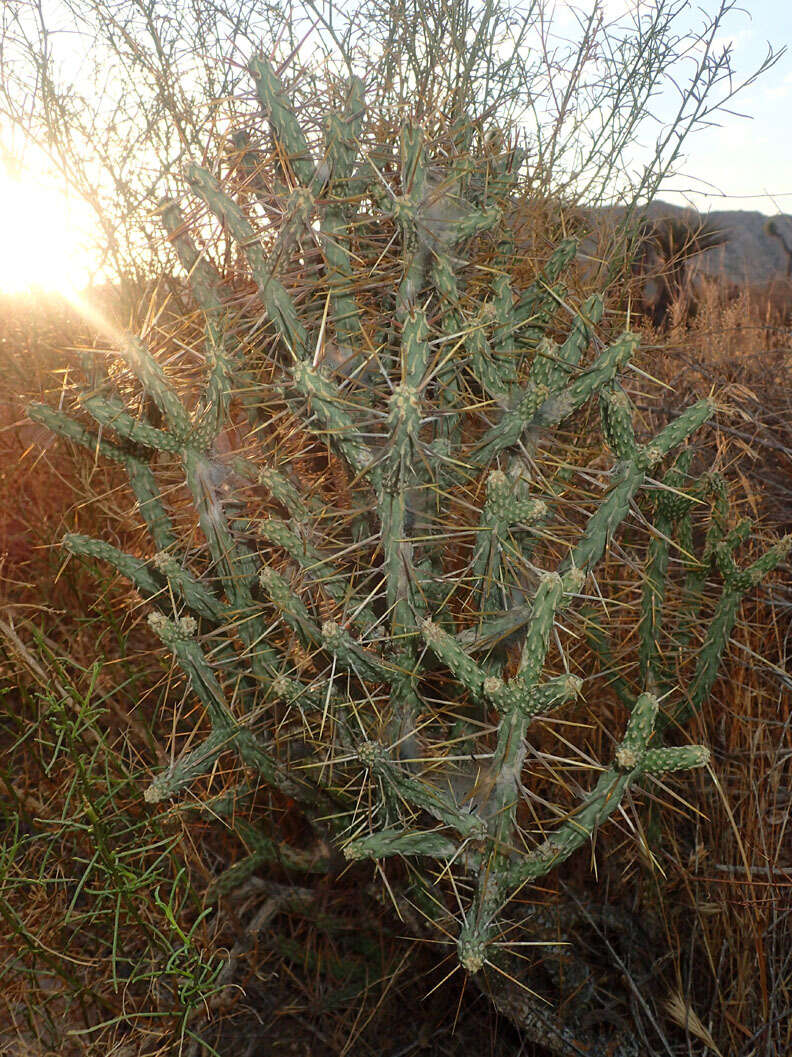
pixel 749 255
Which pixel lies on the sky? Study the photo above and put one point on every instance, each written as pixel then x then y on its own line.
pixel 744 162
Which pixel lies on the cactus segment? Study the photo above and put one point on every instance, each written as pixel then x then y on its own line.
pixel 187 768
pixel 326 403
pixel 342 134
pixel 320 569
pixel 290 606
pixel 108 414
pixel 283 121
pixel 281 489
pixel 617 425
pixel 204 280
pixel 225 372
pixel 152 378
pixel 691 419
pixel 448 650
pixel 141 478
pixel 721 626
pixel 678 758
pixel 541 294
pixel 135 570
pixel 384 844
pixel 198 598
pixel 353 657
pixel 273 294
pixel 417 793
pixel 552 365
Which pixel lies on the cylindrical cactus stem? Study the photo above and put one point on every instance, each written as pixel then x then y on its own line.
pixel 546 602
pixel 473 946
pixel 225 370
pixel 298 506
pixel 179 636
pixel 252 164
pixel 540 295
pixel 617 425
pixel 552 365
pixel 497 377
pixel 576 831
pixel 603 523
pixel 553 693
pixel 156 385
pixel 320 568
pixel 276 300
pixel 508 503
pixel 353 657
pixel 291 607
pixel 414 356
pixel 387 843
pixel 720 629
pixel 293 692
pixel 187 768
pixel 447 649
pixel 141 478
pixel 640 728
pixel 559 406
pixel 149 502
pixel 677 758
pixel 755 573
pixel 283 121
pixel 503 304
pixel 405 209
pixel 134 569
pixel 401 472
pixel 713 487
pixel 690 420
pixel 342 133
pixel 234 563
pixel 587 317
pixel 199 598
pixel 603 800
pixel 110 415
pixel 327 402
pixel 203 278
pixel 417 793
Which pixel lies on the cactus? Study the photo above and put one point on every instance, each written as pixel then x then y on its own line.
pixel 406 629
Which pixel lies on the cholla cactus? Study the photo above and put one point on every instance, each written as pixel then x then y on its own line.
pixel 412 627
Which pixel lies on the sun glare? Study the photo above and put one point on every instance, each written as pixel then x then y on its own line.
pixel 40 237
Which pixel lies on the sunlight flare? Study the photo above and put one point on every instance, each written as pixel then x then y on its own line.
pixel 42 233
